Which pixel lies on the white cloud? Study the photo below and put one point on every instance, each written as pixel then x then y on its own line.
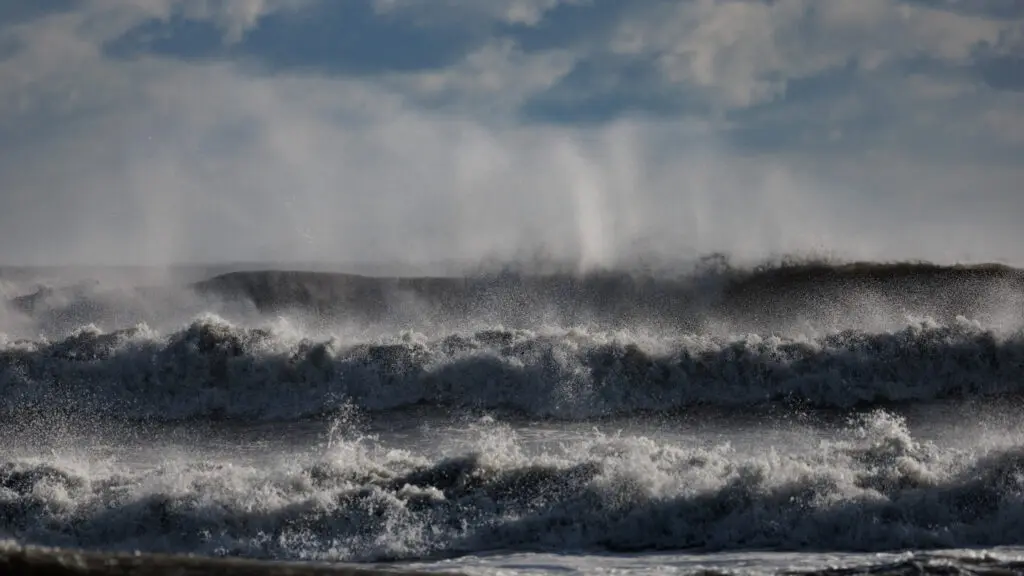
pixel 236 17
pixel 491 81
pixel 526 12
pixel 746 52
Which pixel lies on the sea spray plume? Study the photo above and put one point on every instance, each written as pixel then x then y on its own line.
pixel 215 369
pixel 56 311
pixel 761 299
pixel 769 293
pixel 790 295
pixel 345 421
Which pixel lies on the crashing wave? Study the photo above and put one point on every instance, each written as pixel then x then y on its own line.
pixel 213 369
pixel 876 489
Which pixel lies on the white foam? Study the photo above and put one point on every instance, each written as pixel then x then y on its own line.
pixel 212 368
pixel 874 488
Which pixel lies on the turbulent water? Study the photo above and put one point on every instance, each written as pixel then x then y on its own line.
pixel 795 417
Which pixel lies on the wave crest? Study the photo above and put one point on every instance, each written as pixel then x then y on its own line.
pixel 212 369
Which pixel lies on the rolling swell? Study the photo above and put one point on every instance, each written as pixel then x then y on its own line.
pixel 213 369
pixel 757 299
pixel 875 489
pixel 714 296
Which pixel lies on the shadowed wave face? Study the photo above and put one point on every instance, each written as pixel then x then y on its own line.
pixel 757 300
pixel 764 299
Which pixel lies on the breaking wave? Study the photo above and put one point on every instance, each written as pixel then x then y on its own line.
pixel 714 296
pixel 875 488
pixel 213 369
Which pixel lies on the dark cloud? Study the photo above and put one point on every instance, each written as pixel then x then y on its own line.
pixel 1003 9
pixel 598 91
pixel 9 47
pixel 1003 72
pixel 21 11
pixel 334 38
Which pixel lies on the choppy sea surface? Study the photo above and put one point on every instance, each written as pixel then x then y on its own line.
pixel 790 418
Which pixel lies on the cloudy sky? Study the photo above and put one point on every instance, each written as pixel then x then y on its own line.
pixel 156 131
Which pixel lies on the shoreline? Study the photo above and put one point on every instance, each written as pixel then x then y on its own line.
pixel 16 559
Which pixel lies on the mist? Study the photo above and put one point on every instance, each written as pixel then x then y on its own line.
pixel 148 159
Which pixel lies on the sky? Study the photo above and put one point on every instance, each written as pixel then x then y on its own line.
pixel 597 131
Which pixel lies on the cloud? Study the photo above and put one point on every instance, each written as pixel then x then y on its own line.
pixel 236 18
pixel 154 155
pixel 13 13
pixel 744 53
pixel 349 39
pixel 524 12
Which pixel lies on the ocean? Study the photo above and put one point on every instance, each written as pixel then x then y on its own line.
pixel 798 417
